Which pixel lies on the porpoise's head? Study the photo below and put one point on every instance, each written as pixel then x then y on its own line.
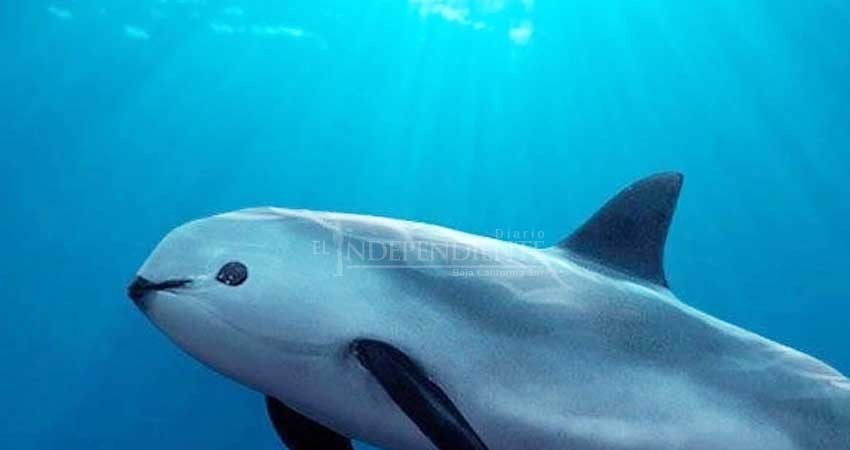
pixel 249 294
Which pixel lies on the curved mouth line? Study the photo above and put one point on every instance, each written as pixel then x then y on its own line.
pixel 141 286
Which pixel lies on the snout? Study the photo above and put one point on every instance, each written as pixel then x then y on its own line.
pixel 142 286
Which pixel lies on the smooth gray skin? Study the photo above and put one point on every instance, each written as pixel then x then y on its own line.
pixel 536 351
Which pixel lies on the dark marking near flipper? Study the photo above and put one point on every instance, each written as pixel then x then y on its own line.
pixel 419 397
pixel 628 234
pixel 301 433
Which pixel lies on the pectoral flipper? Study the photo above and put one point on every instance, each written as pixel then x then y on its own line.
pixel 421 399
pixel 299 432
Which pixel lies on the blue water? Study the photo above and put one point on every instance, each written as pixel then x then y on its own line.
pixel 121 120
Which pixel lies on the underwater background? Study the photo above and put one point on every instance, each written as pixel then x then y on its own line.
pixel 121 120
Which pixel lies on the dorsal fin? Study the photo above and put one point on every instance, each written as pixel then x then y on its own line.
pixel 629 232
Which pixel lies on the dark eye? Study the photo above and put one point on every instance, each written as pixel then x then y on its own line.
pixel 232 274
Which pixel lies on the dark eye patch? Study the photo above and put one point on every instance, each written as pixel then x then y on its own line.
pixel 233 273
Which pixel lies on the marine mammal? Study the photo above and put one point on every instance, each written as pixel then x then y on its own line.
pixel 417 337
